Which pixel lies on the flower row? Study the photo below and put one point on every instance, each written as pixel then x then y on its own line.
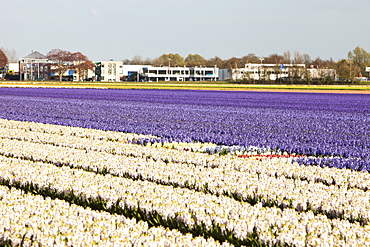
pixel 335 201
pixel 91 134
pixel 32 220
pixel 272 224
pixel 116 143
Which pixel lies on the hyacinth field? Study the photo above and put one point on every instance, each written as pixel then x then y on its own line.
pixel 82 167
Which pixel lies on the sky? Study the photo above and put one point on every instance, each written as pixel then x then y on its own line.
pixel 123 29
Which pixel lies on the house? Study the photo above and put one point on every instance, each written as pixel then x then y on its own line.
pixel 34 66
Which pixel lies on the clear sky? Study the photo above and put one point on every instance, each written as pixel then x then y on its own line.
pixel 122 29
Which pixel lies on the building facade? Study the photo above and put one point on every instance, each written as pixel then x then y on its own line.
pixel 34 66
pixel 165 73
pixel 321 73
pixel 255 72
pixel 112 71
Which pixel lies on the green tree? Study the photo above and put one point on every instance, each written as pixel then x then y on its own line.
pixel 215 61
pixel 169 60
pixel 346 70
pixel 193 60
pixel 359 58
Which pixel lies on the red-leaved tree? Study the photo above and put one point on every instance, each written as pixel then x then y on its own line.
pixel 81 65
pixel 61 60
pixel 3 59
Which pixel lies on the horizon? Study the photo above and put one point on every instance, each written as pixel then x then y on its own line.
pixel 121 30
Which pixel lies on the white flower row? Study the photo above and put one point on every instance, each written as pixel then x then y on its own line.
pixel 273 225
pixel 97 140
pixel 42 221
pixel 303 195
pixel 92 134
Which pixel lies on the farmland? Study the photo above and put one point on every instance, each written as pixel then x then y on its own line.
pixel 183 167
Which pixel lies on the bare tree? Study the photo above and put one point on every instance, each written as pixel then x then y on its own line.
pixel 287 57
pixel 233 63
pixel 307 60
pixel 298 58
pixel 250 58
pixel 274 59
pixel 11 55
pixel 126 61
pixel 62 61
pixel 137 60
pixel 147 61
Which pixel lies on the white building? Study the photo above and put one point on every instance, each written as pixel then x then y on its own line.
pixel 318 73
pixel 116 71
pixel 263 72
pixel 113 71
pixel 165 73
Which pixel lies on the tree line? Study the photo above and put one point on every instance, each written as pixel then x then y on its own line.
pixel 347 69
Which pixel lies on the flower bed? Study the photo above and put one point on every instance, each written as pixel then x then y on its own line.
pixel 32 220
pixel 233 199
pixel 319 125
pixel 238 168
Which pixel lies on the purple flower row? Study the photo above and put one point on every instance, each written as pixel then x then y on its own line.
pixel 319 125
